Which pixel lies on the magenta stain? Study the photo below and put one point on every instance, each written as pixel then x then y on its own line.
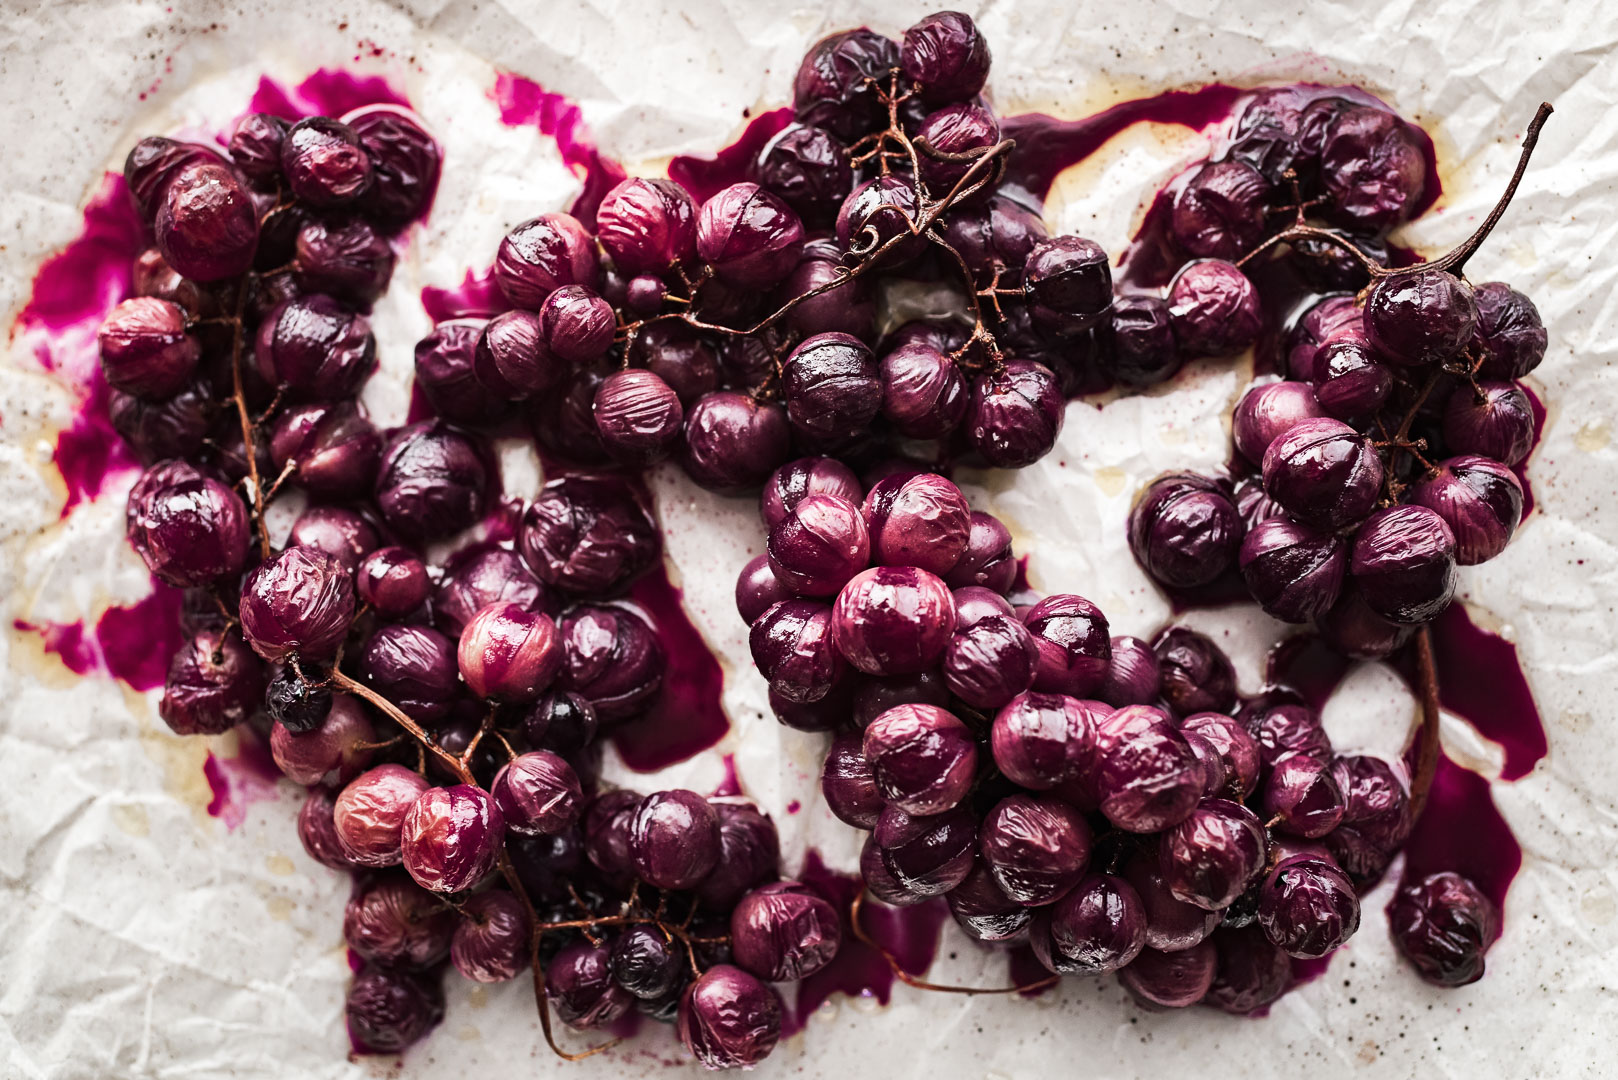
pixel 1305 663
pixel 704 177
pixel 1480 679
pixel 794 806
pixel 1024 969
pixel 239 781
pixel 729 783
pixel 478 296
pixel 328 92
pixel 688 716
pixel 1462 830
pixel 131 643
pixel 525 103
pixel 910 936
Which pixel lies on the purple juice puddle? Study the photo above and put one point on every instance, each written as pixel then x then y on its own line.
pixel 328 92
pixel 239 781
pixel 910 935
pixel 133 643
pixel 67 641
pixel 705 176
pixel 478 296
pixel 1306 664
pixel 525 103
pixel 1228 588
pixel 729 784
pixel 1461 830
pixel 794 806
pixel 1024 969
pixel 1304 971
pixel 1481 680
pixel 688 716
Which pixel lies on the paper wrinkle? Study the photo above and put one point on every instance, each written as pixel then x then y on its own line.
pixel 158 944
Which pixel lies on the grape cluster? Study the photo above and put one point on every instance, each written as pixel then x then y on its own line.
pixel 1111 802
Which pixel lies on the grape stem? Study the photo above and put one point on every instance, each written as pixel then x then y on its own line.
pixel 1426 737
pixel 248 426
pixel 856 927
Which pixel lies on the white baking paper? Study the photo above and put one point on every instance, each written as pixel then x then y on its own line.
pixel 142 937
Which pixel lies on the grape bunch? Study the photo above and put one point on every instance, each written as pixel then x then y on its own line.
pixel 1109 801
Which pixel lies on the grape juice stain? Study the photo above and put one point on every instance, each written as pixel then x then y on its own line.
pixel 1461 830
pixel 1024 969
pixel 1481 680
pixel 705 176
pixel 478 296
pixel 525 103
pixel 1306 664
pixel 328 92
pixel 237 782
pixel 132 643
pixel 688 716
pixel 909 934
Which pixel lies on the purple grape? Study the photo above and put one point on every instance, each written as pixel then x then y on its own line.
pixel 172 427
pixel 1214 309
pixel 542 255
pixel 512 359
pixel 1268 411
pixel 1350 381
pixel 1479 499
pixel 370 813
pixel 1132 674
pixel 297 705
pixel 1220 212
pixel 207 228
pixel 339 742
pixel 784 932
pixel 1069 283
pixel 1196 674
pixel 1301 798
pixel 577 325
pixel 1239 753
pixel 317 830
pixel 646 963
pixel 990 661
pixel 299 602
pixel 1372 168
pixel 444 374
pixel 749 236
pixel 1172 924
pixel 793 647
pixel 393 921
pixel 1414 319
pixel 608 820
pixel 835 85
pixel 807 168
pixel 538 794
pixel 674 839
pixel 1330 319
pixel 974 603
pixel 927 856
pixel 1075 650
pixel 639 417
pixel 393 581
pixel 880 882
pixel 451 837
pixel 1444 924
pixel 1211 857
pixel 579 984
pixel 152 165
pixel 1294 572
pixel 848 783
pixel 680 357
pixel 214 682
pixel 1354 630
pixel 987 560
pixel 1137 341
pixel 796 480
pixel 1510 333
pixel 324 161
pixel 1324 473
pixel 1403 563
pixel 1099 926
pixel 1016 415
pixel 490 942
pixel 924 394
pixel 414 667
pixel 877 214
pixel 405 163
pixel 946 56
pixel 1170 980
pixel 749 853
pixel 1035 846
pixel 481 575
pixel 1147 778
pixel 958 128
pixel 1495 421
pixel 919 520
pixel 145 349
pixel 1251 973
pixel 1185 531
pixel 819 545
pixel 389 1010
pixel 758 589
pixel 985 912
pixel 994 233
pixel 1308 907
pixel 832 388
pixel 647 225
pixel 588 535
pixel 841 309
pixel 732 442
pixel 893 620
pixel 431 482
pixel 1043 740
pixel 922 758
pixel 613 659
pixel 345 258
pixel 333 449
pixel 562 722
pixel 728 1019
pixel 873 697
pixel 191 532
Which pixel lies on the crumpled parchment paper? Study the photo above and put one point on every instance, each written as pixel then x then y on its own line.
pixel 142 937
